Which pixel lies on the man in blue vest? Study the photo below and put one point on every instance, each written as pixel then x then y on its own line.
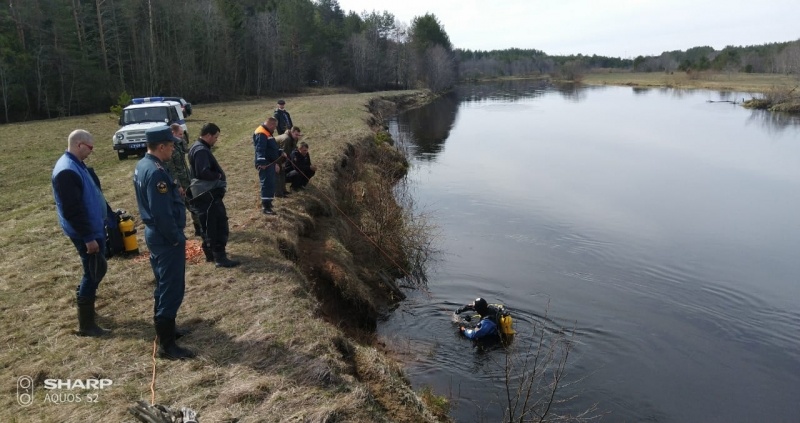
pixel 164 215
pixel 82 212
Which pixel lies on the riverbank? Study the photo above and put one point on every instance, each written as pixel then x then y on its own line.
pixel 285 336
pixel 742 82
pixel 774 92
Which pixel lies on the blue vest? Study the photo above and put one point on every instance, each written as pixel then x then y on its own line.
pixel 92 200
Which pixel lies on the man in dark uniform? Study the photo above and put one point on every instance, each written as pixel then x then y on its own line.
pixel 164 215
pixel 288 143
pixel 300 168
pixel 82 211
pixel 177 167
pixel 206 193
pixel 283 118
pixel 267 154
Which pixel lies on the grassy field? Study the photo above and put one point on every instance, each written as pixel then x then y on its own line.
pixel 744 82
pixel 267 351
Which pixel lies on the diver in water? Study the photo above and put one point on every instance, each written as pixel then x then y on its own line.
pixel 495 320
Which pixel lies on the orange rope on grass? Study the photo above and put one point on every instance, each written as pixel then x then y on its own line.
pixel 153 381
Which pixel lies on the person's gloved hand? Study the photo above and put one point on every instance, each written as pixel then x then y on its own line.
pixel 459 310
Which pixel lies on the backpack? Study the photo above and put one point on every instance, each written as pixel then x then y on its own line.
pixel 114 243
pixel 502 318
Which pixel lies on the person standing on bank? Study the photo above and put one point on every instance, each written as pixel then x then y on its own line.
pixel 267 154
pixel 288 143
pixel 177 167
pixel 301 170
pixel 82 211
pixel 164 215
pixel 284 119
pixel 206 193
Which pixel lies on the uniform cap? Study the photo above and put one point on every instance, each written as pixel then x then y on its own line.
pixel 159 134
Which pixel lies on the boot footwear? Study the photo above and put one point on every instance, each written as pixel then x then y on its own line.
pixel 209 254
pixel 181 332
pixel 86 315
pixel 266 208
pixel 221 260
pixel 165 329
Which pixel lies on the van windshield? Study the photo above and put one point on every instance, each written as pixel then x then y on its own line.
pixel 144 114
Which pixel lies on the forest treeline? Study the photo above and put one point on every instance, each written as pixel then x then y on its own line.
pixel 69 57
pixel 783 58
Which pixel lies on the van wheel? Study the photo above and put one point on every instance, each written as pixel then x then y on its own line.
pixel 122 155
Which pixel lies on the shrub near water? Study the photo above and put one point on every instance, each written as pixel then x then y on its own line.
pixel 268 351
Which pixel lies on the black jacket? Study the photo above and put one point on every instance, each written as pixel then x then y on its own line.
pixel 203 164
pixel 300 162
pixel 284 120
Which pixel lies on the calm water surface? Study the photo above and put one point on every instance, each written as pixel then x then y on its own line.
pixel 663 227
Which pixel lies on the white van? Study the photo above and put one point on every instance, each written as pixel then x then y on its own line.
pixel 143 114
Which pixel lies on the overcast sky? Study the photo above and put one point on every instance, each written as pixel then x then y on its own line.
pixel 618 28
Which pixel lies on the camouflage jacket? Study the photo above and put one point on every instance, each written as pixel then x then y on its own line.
pixel 176 166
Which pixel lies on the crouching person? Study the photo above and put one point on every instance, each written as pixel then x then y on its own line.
pixel 301 170
pixel 163 212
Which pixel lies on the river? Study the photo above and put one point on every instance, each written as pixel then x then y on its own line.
pixel 654 231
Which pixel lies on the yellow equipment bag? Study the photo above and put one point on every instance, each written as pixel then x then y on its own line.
pixel 505 325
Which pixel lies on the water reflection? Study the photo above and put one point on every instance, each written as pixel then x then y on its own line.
pixel 662 228
pixel 774 122
pixel 509 90
pixel 430 125
pixel 574 92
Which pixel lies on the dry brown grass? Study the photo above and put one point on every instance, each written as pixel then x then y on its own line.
pixel 266 353
pixel 743 82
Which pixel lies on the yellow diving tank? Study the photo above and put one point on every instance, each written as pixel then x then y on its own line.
pixel 505 325
pixel 128 234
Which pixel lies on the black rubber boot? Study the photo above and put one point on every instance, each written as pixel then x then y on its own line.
pixel 266 208
pixel 221 260
pixel 165 329
pixel 179 332
pixel 86 315
pixel 208 253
